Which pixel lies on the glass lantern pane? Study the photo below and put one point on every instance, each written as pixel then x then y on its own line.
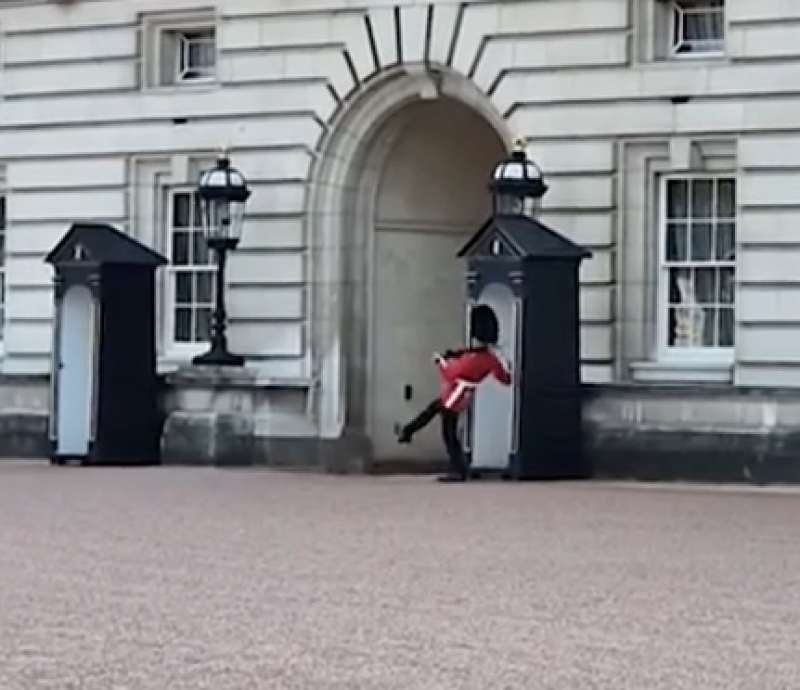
pixel 219 225
pixel 509 204
pixel 237 219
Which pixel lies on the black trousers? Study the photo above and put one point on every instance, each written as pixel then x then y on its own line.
pixel 455 453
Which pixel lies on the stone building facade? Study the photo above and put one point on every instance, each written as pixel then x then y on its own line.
pixel 668 131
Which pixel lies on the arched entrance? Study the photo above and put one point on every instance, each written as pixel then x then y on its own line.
pixel 400 185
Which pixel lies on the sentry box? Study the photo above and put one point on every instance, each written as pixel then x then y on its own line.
pixel 528 274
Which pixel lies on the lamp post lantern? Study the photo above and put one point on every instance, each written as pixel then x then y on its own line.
pixel 223 194
pixel 517 185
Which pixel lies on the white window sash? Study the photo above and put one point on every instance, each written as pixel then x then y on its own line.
pixel 175 349
pixel 666 352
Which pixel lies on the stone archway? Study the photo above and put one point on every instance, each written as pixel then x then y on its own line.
pixel 401 177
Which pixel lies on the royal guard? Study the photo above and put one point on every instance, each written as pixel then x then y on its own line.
pixel 460 372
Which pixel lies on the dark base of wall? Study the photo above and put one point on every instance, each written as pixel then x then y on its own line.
pixel 23 436
pixel 634 454
pixel 694 456
pixel 229 441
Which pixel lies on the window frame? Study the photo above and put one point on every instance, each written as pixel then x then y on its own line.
pixel 161 46
pixel 177 349
pixel 183 38
pixel 674 52
pixel 666 352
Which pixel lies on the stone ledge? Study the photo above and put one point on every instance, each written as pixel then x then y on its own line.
pixel 230 378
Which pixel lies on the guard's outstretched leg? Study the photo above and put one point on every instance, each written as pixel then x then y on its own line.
pixel 419 422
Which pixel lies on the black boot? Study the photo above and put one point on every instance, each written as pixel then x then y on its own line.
pixel 450 477
pixel 403 433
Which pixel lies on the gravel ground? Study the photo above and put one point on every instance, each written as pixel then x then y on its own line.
pixel 173 579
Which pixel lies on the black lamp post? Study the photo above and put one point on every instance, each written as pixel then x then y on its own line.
pixel 223 194
pixel 517 185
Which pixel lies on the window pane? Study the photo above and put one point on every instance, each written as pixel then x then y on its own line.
pixel 726 199
pixel 708 319
pixel 205 288
pixel 677 249
pixel 203 324
pixel 702 26
pixel 183 288
pixel 181 214
pixel 183 325
pixel 727 328
pixel 726 242
pixel 201 54
pixel 677 200
pixel 702 198
pixel 672 327
pixel 705 286
pixel 197 218
pixel 680 286
pixel 727 286
pixel 200 255
pixel 180 248
pixel 686 327
pixel 702 240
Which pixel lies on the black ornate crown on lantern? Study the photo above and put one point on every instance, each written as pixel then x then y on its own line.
pixel 514 180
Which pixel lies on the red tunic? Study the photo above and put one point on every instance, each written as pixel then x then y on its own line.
pixel 459 376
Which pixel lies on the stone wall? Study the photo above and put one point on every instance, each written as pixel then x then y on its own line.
pixel 715 433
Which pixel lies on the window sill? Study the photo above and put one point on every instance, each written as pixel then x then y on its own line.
pixel 682 372
pixel 697 60
pixel 693 57
pixel 178 87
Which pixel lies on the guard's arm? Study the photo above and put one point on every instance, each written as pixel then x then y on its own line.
pixel 501 372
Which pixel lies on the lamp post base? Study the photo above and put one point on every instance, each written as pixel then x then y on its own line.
pixel 218 357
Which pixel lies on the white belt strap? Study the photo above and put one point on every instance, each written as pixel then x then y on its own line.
pixel 461 387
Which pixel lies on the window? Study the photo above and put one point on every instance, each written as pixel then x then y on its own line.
pixel 191 288
pixel 698 272
pixel 178 49
pixel 2 264
pixel 195 54
pixel 698 27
